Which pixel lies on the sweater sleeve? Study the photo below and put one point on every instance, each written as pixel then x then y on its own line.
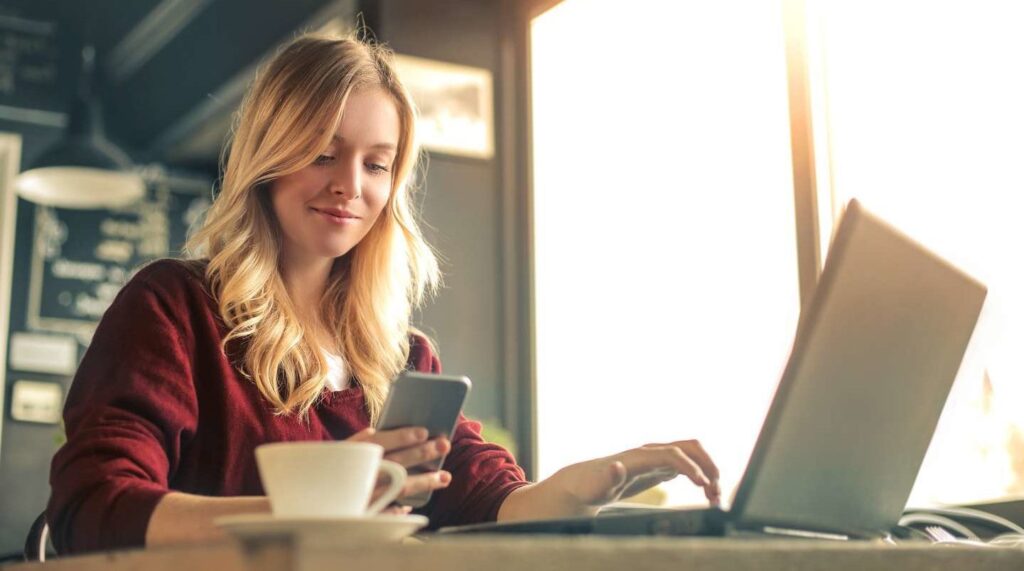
pixel 483 474
pixel 130 409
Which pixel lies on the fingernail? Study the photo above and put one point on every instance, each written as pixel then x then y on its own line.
pixel 421 434
pixel 444 477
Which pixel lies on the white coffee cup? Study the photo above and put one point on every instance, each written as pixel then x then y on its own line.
pixel 326 479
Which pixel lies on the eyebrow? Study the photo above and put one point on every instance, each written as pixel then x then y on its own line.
pixel 379 146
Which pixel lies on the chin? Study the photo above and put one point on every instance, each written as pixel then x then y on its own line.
pixel 335 250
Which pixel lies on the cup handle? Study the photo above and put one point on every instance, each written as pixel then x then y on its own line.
pixel 397 474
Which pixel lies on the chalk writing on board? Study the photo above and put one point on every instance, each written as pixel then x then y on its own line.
pixel 82 258
pixel 28 63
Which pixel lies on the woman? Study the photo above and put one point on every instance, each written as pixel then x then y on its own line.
pixel 288 323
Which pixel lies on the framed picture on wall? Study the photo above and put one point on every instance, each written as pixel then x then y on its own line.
pixel 456 105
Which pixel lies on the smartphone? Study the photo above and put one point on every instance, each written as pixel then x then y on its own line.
pixel 431 401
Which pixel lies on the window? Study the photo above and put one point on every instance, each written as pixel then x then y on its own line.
pixel 925 124
pixel 666 278
pixel 665 253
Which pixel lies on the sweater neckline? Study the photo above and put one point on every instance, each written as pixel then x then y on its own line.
pixel 352 392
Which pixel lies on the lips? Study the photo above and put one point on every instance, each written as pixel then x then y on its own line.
pixel 337 213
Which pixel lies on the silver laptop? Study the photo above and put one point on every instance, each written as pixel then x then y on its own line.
pixel 875 354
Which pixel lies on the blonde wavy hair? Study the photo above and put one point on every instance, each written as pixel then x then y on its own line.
pixel 286 119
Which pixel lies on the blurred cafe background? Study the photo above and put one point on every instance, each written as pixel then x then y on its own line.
pixel 631 200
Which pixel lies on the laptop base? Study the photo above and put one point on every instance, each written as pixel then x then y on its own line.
pixel 709 522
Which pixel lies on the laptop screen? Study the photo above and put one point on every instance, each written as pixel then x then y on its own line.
pixel 875 355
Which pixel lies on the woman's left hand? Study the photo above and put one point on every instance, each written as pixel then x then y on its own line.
pixel 594 483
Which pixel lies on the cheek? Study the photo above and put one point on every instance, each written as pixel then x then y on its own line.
pixel 302 184
pixel 281 203
pixel 290 193
pixel 277 202
pixel 377 201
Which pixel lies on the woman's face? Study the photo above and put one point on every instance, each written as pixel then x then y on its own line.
pixel 327 207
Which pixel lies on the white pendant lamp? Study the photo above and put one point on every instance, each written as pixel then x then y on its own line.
pixel 84 170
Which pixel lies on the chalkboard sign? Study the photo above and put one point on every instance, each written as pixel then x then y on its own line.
pixel 29 59
pixel 81 258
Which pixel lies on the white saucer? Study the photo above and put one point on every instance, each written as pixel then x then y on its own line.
pixel 323 531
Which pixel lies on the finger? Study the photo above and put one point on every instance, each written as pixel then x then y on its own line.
pixel 714 496
pixel 400 438
pixel 641 461
pixel 363 435
pixel 695 450
pixel 713 493
pixel 421 483
pixel 397 510
pixel 421 453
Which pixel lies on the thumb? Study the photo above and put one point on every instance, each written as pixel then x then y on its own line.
pixel 364 434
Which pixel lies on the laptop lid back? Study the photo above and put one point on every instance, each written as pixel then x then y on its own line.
pixel 874 357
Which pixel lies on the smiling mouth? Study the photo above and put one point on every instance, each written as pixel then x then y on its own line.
pixel 335 217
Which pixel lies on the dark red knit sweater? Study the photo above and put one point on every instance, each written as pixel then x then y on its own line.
pixel 156 406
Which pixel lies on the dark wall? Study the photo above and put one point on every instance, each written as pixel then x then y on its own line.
pixel 462 205
pixel 25 448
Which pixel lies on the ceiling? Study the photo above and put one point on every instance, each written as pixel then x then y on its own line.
pixel 175 70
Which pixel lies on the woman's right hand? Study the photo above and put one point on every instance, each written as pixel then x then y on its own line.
pixel 410 447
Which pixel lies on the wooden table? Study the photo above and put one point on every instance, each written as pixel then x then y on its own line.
pixel 530 553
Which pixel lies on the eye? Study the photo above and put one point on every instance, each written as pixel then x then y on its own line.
pixel 323 160
pixel 377 168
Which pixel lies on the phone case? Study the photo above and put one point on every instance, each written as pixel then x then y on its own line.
pixel 427 400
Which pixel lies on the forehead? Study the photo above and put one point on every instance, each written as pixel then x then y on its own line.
pixel 370 118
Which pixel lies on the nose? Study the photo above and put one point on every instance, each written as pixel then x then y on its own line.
pixel 346 180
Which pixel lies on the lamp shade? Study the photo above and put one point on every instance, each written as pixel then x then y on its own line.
pixel 84 170
pixel 79 187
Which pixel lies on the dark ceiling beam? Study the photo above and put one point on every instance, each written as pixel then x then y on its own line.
pixel 198 70
pixel 149 36
pixel 199 134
